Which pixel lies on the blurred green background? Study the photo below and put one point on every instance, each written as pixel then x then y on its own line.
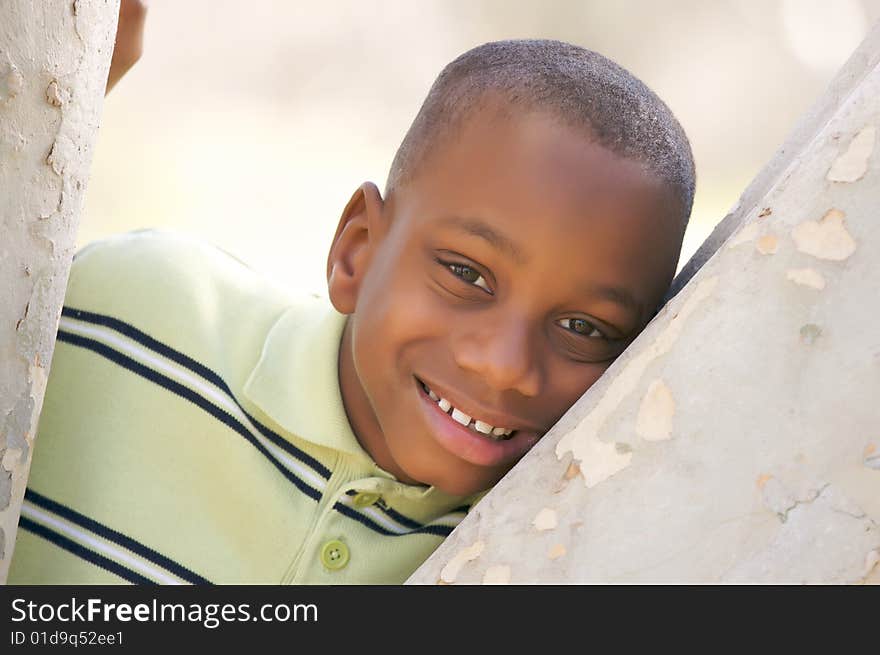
pixel 250 124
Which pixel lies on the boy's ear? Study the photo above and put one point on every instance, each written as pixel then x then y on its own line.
pixel 357 235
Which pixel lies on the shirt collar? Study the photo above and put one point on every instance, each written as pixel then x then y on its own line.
pixel 295 381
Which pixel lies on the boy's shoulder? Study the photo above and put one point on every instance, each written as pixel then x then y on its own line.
pixel 173 287
pixel 147 266
pixel 161 258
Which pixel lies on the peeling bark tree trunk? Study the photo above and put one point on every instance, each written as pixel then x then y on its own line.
pixel 54 60
pixel 738 439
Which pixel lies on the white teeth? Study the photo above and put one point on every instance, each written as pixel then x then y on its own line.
pixel 464 419
pixel 460 416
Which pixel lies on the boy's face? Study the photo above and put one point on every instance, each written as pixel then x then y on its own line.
pixel 504 278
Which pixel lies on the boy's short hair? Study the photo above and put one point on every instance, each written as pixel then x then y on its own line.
pixel 583 88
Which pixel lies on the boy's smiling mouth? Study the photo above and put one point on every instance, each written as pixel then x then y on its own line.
pixel 467 437
pixel 497 433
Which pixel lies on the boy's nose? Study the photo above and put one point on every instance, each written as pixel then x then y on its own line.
pixel 502 355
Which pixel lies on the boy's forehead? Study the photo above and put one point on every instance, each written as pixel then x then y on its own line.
pixel 533 161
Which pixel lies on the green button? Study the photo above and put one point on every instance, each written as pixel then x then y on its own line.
pixel 365 499
pixel 334 555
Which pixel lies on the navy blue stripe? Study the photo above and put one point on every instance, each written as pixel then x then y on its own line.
pixel 439 530
pixel 187 394
pixel 84 553
pixel 199 369
pixel 400 518
pixel 285 445
pixel 116 537
pixel 148 341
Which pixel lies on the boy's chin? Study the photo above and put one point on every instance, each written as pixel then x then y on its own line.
pixel 456 479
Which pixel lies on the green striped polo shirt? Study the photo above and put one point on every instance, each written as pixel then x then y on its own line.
pixel 193 432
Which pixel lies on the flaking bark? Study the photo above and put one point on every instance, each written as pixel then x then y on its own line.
pixel 54 60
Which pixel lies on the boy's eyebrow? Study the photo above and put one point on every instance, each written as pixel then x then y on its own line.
pixel 479 228
pixel 617 295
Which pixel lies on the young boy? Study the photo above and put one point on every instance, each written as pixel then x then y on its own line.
pixel 200 426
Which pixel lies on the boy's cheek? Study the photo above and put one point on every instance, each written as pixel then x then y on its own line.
pixel 405 313
pixel 569 389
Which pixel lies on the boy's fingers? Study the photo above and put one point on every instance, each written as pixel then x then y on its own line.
pixel 129 39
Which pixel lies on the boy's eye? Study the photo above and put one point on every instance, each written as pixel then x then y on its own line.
pixel 581 326
pixel 469 275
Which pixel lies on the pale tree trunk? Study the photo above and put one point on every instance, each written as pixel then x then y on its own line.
pixel 54 59
pixel 738 439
